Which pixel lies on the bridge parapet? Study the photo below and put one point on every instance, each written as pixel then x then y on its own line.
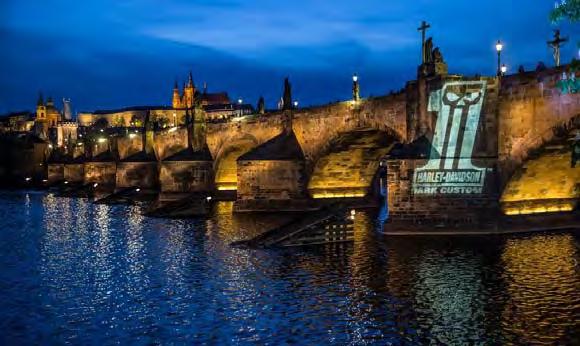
pixel 532 105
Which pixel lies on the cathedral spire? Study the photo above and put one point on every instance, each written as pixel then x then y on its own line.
pixel 40 101
pixel 190 80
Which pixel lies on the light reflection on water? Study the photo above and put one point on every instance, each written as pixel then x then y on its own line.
pixel 75 272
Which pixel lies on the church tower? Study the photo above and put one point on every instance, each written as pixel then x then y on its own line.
pixel 176 98
pixel 40 109
pixel 189 92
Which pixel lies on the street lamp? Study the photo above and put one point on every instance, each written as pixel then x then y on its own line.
pixel 503 69
pixel 240 107
pixel 295 104
pixel 498 48
pixel 355 88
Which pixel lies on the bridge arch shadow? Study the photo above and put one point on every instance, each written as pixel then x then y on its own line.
pixel 225 165
pixel 546 181
pixel 349 165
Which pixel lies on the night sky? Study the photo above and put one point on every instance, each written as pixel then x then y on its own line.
pixel 113 53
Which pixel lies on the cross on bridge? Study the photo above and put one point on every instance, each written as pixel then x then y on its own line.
pixel 555 45
pixel 423 28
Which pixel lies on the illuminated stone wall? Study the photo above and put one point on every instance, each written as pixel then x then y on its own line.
pixel 138 174
pixel 129 145
pixel 228 141
pixel 55 172
pixel 543 184
pixel 350 166
pixel 186 176
pixel 446 207
pixel 169 142
pixel 74 172
pixel 271 180
pixel 531 105
pixel 103 173
pixel 124 118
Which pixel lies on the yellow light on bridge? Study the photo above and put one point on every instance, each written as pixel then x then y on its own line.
pixel 562 207
pixel 321 195
pixel 227 188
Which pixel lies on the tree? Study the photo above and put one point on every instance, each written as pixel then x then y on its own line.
pixel 566 10
pixel 118 121
pixel 136 120
pixel 101 123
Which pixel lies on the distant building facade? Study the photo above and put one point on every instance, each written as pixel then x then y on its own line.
pixel 217 107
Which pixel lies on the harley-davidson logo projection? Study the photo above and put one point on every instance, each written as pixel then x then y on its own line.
pixel 450 169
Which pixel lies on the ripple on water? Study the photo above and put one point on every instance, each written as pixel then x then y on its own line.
pixel 81 273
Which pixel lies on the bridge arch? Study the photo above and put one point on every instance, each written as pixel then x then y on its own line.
pixel 349 165
pixel 545 181
pixel 225 165
pixel 316 128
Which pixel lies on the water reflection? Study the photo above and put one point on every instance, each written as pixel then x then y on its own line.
pixel 75 272
pixel 541 278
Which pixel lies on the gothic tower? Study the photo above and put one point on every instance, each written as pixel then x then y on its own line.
pixel 40 108
pixel 189 92
pixel 176 101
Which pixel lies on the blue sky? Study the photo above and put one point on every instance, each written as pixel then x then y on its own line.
pixel 116 53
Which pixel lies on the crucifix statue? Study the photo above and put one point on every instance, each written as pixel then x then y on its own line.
pixel 555 45
pixel 423 28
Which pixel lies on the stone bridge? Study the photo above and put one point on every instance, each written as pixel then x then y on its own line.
pixel 317 129
pixel 342 144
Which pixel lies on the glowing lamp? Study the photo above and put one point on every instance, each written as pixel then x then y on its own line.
pixel 137 189
pixel 95 184
pixel 498 46
pixel 102 140
pixel 503 69
pixel 354 78
pixel 28 179
pixel 295 104
pixel 240 101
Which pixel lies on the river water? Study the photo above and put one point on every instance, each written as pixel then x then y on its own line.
pixel 77 273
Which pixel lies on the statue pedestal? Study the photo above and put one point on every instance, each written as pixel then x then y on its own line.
pixel 433 69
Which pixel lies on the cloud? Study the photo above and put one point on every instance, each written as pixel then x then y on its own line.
pixel 110 53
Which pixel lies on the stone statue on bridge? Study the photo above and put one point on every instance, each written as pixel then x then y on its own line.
pixel 434 63
pixel 437 56
pixel 429 50
pixel 261 106
pixel 287 98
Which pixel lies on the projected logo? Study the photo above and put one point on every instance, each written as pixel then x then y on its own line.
pixel 450 169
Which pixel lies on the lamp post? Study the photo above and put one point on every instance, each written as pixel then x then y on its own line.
pixel 355 88
pixel 240 106
pixel 503 69
pixel 498 48
pixel 295 104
